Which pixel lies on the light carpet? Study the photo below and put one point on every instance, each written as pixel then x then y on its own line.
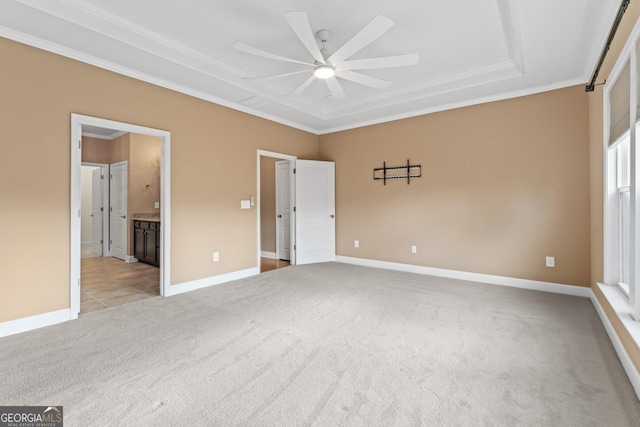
pixel 328 345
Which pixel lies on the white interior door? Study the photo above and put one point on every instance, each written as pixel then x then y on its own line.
pixel 96 211
pixel 283 210
pixel 315 211
pixel 118 210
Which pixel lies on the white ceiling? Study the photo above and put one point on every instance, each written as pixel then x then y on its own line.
pixel 101 133
pixel 471 51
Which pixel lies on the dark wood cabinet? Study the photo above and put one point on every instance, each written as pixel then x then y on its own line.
pixel 146 241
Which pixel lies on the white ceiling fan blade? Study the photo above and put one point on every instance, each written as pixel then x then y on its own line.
pixel 277 76
pixel 384 62
pixel 254 51
pixel 336 89
pixel 300 25
pixel 302 87
pixel 368 34
pixel 364 79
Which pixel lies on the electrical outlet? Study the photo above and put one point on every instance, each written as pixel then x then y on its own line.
pixel 216 256
pixel 551 261
pixel 156 205
pixel 356 243
pixel 414 249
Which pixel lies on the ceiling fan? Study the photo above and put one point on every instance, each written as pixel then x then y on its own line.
pixel 330 66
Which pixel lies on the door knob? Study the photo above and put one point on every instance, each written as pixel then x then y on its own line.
pixel 332 216
pixel 123 216
pixel 279 216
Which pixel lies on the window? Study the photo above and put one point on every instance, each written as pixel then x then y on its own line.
pixel 622 185
pixel 624 210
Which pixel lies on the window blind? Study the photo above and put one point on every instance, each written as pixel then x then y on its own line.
pixel 620 105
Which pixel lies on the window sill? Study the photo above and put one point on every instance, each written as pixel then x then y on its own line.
pixel 620 304
pixel 625 291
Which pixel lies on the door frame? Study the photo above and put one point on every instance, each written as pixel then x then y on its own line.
pixel 106 248
pixel 279 223
pixel 292 201
pixel 77 120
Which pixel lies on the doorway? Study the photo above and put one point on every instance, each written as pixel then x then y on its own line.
pixel 311 206
pixel 276 225
pixel 94 209
pixel 94 280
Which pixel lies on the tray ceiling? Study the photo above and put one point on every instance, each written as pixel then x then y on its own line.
pixel 471 51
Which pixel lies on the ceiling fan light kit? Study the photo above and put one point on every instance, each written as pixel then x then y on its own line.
pixel 333 66
pixel 324 72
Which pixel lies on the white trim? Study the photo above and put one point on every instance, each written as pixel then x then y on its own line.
pixel 460 104
pixel 629 368
pixel 85 243
pixel 181 288
pixel 512 31
pixel 77 120
pixel 611 253
pixel 535 285
pixel 24 324
pixel 599 42
pixel 267 254
pixel 130 259
pixel 292 159
pixel 117 28
pixel 125 71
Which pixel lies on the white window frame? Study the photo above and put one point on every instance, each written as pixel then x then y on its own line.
pixel 612 243
pixel 621 157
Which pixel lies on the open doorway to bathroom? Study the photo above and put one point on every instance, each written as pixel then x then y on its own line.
pixel 120 218
pixel 117 238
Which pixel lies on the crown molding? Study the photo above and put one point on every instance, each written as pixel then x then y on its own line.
pixel 128 72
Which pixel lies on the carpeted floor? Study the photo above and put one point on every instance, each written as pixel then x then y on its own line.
pixel 328 345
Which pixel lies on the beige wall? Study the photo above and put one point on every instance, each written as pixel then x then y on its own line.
pixel 268 203
pixel 503 185
pixel 120 149
pixel 213 167
pixel 98 150
pixel 596 108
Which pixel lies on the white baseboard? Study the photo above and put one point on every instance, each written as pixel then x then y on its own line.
pixel 535 285
pixel 130 259
pixel 181 288
pixel 24 324
pixel 627 363
pixel 85 243
pixel 267 254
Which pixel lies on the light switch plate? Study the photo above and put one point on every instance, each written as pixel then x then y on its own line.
pixel 156 205
pixel 245 204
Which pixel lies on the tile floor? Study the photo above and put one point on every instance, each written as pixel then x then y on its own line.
pixel 267 264
pixel 86 252
pixel 106 282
